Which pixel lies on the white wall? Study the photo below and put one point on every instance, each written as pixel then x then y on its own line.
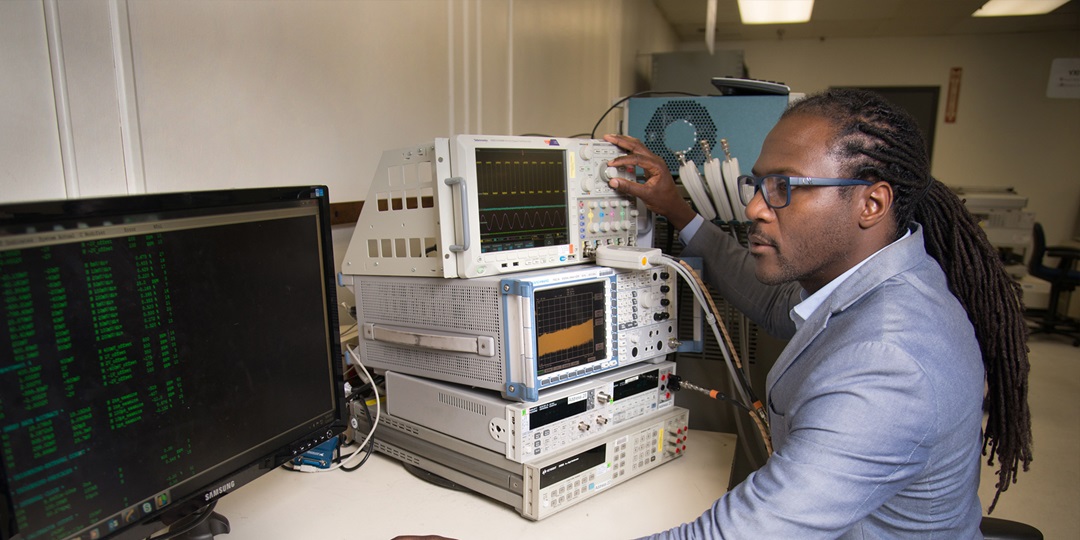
pixel 240 93
pixel 30 166
pixel 179 95
pixel 106 97
pixel 1007 132
pixel 167 95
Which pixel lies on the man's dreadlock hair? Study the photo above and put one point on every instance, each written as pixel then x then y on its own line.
pixel 878 141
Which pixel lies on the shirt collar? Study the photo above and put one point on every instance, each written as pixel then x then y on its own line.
pixel 803 310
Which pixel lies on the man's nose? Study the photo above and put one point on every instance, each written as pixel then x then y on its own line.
pixel 757 209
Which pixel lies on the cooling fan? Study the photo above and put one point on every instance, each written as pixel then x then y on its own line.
pixel 677 126
pixel 684 131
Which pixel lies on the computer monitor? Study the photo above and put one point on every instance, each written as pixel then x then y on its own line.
pixel 158 352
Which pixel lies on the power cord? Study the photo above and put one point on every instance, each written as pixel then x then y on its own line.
pixel 592 134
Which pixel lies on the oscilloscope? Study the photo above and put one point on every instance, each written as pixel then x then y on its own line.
pixel 520 333
pixel 476 205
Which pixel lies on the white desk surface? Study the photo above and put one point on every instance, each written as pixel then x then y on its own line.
pixel 382 500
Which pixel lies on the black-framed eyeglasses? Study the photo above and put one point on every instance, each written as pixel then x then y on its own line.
pixel 776 188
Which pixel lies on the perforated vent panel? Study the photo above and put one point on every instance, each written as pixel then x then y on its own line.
pixel 446 305
pixel 438 304
pixel 397 453
pixel 689 112
pixel 466 405
pixel 457 368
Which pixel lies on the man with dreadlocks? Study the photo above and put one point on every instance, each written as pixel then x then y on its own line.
pixel 897 310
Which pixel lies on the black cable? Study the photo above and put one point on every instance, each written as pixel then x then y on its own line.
pixel 677 383
pixel 363 388
pixel 592 134
pixel 370 444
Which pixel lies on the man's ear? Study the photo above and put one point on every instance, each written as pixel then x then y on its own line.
pixel 876 201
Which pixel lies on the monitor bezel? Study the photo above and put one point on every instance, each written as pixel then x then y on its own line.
pixel 16 218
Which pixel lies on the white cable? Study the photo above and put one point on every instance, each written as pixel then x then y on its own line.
pixel 639 258
pixel 688 173
pixel 374 423
pixel 730 172
pixel 711 318
pixel 715 180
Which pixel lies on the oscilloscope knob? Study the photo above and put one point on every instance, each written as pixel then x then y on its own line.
pixel 649 300
pixel 607 173
pixel 594 184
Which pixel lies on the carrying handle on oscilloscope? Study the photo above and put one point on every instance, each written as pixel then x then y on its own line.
pixel 466 237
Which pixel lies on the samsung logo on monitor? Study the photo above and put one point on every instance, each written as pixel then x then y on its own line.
pixel 218 491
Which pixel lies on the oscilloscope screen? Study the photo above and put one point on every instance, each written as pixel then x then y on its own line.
pixel 570 326
pixel 521 195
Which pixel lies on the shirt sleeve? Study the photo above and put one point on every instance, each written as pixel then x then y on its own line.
pixel 687 233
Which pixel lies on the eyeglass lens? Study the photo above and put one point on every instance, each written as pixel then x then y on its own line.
pixel 774 188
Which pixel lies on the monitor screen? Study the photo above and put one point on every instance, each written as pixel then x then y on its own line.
pixel 521 193
pixel 158 352
pixel 571 326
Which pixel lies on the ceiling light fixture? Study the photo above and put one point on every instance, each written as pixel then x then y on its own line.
pixel 775 11
pixel 1013 8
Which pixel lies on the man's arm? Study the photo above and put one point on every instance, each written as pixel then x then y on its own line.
pixel 858 434
pixel 728 266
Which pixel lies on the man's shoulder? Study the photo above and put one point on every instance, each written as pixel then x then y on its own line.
pixel 902 277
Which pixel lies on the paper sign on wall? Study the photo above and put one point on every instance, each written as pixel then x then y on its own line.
pixel 952 97
pixel 1064 78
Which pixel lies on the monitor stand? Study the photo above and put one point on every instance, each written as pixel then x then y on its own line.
pixel 208 528
pixel 203 525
